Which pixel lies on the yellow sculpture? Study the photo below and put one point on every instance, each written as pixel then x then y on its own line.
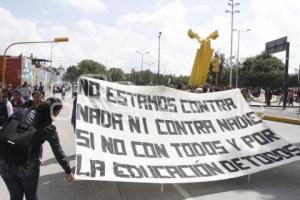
pixel 202 60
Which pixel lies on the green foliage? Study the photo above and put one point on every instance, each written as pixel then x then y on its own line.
pixel 133 76
pixel 116 74
pixel 182 80
pixel 293 81
pixel 148 78
pixel 263 70
pixel 71 74
pixel 262 63
pixel 90 67
pixel 273 79
pixel 224 69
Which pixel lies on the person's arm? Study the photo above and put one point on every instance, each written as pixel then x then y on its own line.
pixel 73 117
pixel 51 136
pixel 10 109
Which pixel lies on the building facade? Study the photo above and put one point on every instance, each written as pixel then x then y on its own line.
pixel 22 69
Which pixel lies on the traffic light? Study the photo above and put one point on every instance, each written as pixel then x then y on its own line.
pixel 62 39
pixel 216 64
pixel 7 62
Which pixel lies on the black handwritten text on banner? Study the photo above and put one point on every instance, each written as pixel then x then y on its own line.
pixel 162 135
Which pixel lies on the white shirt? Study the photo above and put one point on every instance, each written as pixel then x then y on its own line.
pixel 25 91
pixel 9 108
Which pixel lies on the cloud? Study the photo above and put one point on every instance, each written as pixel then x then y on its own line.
pixel 117 43
pixel 170 20
pixel 274 19
pixel 86 5
pixel 200 8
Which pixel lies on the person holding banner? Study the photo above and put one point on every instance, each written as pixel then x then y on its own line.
pixel 73 117
pixel 23 180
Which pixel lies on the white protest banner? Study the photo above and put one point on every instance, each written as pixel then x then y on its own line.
pixel 163 135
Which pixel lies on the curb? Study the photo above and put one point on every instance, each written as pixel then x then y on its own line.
pixel 281 119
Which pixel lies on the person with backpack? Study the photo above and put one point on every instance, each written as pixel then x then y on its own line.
pixel 22 178
pixel 6 108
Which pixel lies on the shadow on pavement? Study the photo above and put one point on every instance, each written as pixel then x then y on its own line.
pixel 54 187
pixel 280 183
pixel 53 160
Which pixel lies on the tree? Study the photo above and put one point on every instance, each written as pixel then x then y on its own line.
pixel 90 67
pixel 180 80
pixel 148 77
pixel 293 80
pixel 116 74
pixel 262 70
pixel 71 74
pixel 133 76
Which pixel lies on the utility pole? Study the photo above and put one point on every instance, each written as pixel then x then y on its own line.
pixel 231 11
pixel 142 63
pixel 237 56
pixel 158 61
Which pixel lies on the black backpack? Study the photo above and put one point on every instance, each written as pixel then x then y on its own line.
pixel 16 138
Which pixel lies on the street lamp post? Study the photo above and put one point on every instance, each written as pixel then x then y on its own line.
pixel 62 39
pixel 298 74
pixel 158 60
pixel 231 11
pixel 237 55
pixel 142 54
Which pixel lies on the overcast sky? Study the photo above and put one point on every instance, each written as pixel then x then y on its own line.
pixel 110 31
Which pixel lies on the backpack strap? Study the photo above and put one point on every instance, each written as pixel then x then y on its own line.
pixel 28 119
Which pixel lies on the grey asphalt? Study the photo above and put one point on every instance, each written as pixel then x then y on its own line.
pixel 280 183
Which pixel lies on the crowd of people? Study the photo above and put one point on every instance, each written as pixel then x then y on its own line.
pixel 62 89
pixel 42 112
pixel 39 113
pixel 16 99
pixel 250 93
pixel 292 96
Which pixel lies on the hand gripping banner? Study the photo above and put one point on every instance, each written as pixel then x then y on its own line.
pixel 155 134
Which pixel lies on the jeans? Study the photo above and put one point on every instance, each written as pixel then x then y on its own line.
pixel 18 185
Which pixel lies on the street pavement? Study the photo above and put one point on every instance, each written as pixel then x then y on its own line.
pixel 280 183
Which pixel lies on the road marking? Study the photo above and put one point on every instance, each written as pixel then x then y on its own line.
pixel 184 193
